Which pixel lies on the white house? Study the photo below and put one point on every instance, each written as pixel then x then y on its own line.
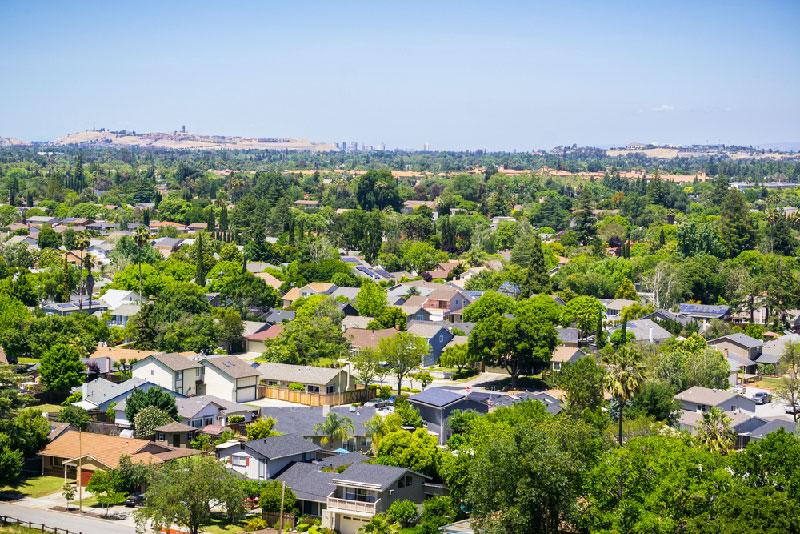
pixel 230 378
pixel 263 459
pixel 172 371
pixel 199 411
pixel 117 297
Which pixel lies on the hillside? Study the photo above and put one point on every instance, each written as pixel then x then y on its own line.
pixel 189 141
pixel 10 141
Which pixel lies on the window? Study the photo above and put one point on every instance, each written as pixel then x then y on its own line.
pixel 239 461
pixel 420 317
pixel 262 469
pixel 196 423
pixel 312 389
pixel 56 461
pixel 330 389
pixel 208 420
pixel 160 436
pixel 409 480
pixel 152 372
pixel 441 338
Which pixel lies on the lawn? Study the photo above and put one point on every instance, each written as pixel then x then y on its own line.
pixel 35 487
pixel 28 360
pixel 768 382
pixel 411 530
pixel 88 502
pixel 220 525
pixel 19 530
pixel 49 408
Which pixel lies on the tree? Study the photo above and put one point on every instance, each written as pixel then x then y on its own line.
pixel 789 389
pixel 261 428
pixel 82 242
pixel 48 238
pixel 457 356
pixel 141 238
pixel 409 415
pixel 624 376
pixel 379 524
pixel 371 299
pixel 230 328
pixel 379 426
pixel 10 461
pixel 61 368
pixel 106 487
pixel 489 304
pixel 182 492
pixel 537 277
pixel 270 498
pixel 715 432
pixel 741 509
pixel 334 427
pixel 402 352
pixel 691 362
pixel 148 419
pixel 68 492
pixel 656 400
pixel 199 260
pixel 584 218
pixel 582 382
pixel 626 291
pixel 584 311
pixel 737 228
pixel 365 365
pixel 155 396
pixel 28 431
pixel 75 416
pixel 437 512
pixel 404 512
pixel 417 451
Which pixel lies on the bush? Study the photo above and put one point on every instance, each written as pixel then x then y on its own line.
pixel 404 512
pixel 385 392
pixel 466 372
pixel 294 386
pixel 406 388
pixel 235 419
pixel 254 524
pixel 437 512
pixel 415 391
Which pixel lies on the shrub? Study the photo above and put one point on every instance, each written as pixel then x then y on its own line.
pixel 415 390
pixel 294 386
pixel 385 392
pixel 254 524
pixel 404 512
pixel 406 388
pixel 235 419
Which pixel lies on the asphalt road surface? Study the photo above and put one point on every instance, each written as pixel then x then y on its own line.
pixel 71 522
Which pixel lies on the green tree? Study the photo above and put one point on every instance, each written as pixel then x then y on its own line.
pixel 148 419
pixel 199 261
pixel 583 311
pixel 789 388
pixel 270 498
pixel 584 218
pixel 75 416
pixel 262 428
pixel 737 228
pixel 155 396
pixel 141 238
pixel 182 492
pixel 61 368
pixel 379 524
pixel 627 291
pixel 715 432
pixel 366 363
pixel 489 304
pixel 230 328
pixel 537 277
pixel 582 383
pixel 10 461
pixel 48 238
pixel 624 376
pixel 457 356
pixel 417 451
pixel 403 512
pixel 437 512
pixel 371 299
pixel 402 352
pixel 409 415
pixel 28 431
pixel 106 487
pixel 334 427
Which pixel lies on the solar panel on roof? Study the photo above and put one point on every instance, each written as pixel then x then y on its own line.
pixel 383 273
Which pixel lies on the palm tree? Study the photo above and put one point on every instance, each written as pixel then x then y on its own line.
pixel 141 237
pixel 82 243
pixel 334 427
pixel 715 431
pixel 378 427
pixel 624 376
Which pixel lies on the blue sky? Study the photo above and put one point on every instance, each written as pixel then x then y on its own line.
pixel 457 75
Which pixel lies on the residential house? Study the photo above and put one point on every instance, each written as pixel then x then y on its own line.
pixel 703 313
pixel 646 331
pixel 104 365
pixel 441 302
pixel 435 406
pixel 167 245
pixel 665 316
pixel 256 342
pixel 277 316
pixel 742 423
pixel 363 338
pixel 414 310
pixel 772 350
pixel 118 354
pixel 569 336
pixel 311 486
pixel 355 321
pixel 199 411
pixel 314 288
pixel 350 293
pixel 170 371
pixel 264 459
pixel 229 378
pixel 738 346
pixel 115 298
pixel 773 425
pixel 435 334
pixel 63 309
pixel 98 395
pixel 301 420
pixel 269 279
pixel 364 490
pixel 700 399
pixel 193 228
pixel 614 308
pixel 325 380
pixel 123 313
pixel 306 203
pixel 564 355
pixel 175 434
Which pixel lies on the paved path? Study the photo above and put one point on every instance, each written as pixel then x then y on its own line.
pixel 71 522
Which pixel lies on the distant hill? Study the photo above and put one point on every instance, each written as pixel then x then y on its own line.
pixel 189 141
pixel 787 146
pixel 10 141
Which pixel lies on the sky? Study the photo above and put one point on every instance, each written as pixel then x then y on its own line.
pixel 456 75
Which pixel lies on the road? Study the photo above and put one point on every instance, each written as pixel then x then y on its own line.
pixel 71 522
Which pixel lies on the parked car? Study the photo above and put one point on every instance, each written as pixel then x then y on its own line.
pixel 390 400
pixel 375 403
pixel 793 408
pixel 762 397
pixel 134 499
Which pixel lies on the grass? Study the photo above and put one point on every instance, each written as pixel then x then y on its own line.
pixel 35 487
pixel 49 408
pixel 220 525
pixel 411 530
pixel 87 502
pixel 768 382
pixel 28 360
pixel 19 530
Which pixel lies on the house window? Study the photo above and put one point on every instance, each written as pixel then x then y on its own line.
pixel 160 436
pixel 239 461
pixel 56 461
pixel 330 389
pixel 312 389
pixel 262 469
pixel 152 372
pixel 196 423
pixel 409 480
pixel 208 420
pixel 441 338
pixel 419 317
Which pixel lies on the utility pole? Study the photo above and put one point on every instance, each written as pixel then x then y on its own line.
pixel 80 465
pixel 283 493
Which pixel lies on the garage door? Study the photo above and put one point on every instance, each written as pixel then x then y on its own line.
pixel 351 525
pixel 85 476
pixel 246 394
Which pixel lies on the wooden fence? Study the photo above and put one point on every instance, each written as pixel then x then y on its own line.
pixel 315 399
pixel 12 521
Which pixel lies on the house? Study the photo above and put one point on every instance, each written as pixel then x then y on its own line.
pixel 279 316
pixel 435 334
pixel 323 380
pixel 700 399
pixel 256 342
pixel 118 354
pixel 742 423
pixel 569 336
pixel 167 245
pixel 104 365
pixel 311 486
pixel 364 490
pixel 772 350
pixel 198 412
pixel 441 302
pixel 314 288
pixel 229 378
pixel 301 420
pixel 363 338
pixel 773 425
pixel 614 307
pixel 350 293
pixel 170 371
pixel 269 279
pixel 355 321
pixel 646 331
pixel 263 459
pixel 703 313
pixel 414 310
pixel 99 452
pixel 114 298
pixel 175 434
pixel 738 346
pixel 564 355
pixel 98 395
pixel 193 228
pixel 435 406
pixel 63 309
pixel 306 203
pixel 410 205
pixel 123 313
pixel 662 316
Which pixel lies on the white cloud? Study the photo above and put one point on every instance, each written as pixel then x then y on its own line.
pixel 663 107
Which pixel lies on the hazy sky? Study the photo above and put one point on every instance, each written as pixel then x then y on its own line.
pixel 489 74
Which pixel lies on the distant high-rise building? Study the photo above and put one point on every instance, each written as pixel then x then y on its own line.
pixel 426 147
pixel 382 146
pixel 352 146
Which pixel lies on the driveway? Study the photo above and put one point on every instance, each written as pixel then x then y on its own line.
pixel 72 522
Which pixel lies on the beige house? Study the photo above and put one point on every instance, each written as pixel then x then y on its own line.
pixel 323 380
pixel 564 355
pixel 171 371
pixel 230 378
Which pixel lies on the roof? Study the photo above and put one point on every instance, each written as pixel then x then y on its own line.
pixel 270 333
pixel 641 329
pixel 269 279
pixel 303 374
pixel 117 353
pixel 319 287
pixel 231 365
pixel 442 294
pixel 278 316
pixel 668 315
pixel 308 482
pixel 568 335
pixel 743 340
pixel 695 419
pixel 701 395
pixel 175 426
pixel 101 390
pixel 176 361
pixel 778 345
pixel 772 426
pixel 363 338
pixel 379 475
pixel 188 407
pixel 565 354
pixel 436 397
pixel 343 459
pixel 355 321
pixel 619 304
pixel 281 446
pixel 128 309
pixel 104 449
pixel 300 420
pixel 704 310
pixel 56 429
pixel 293 294
pixel 426 329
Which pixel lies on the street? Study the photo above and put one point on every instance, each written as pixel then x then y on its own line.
pixel 71 522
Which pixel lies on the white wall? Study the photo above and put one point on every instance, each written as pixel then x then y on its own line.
pixel 246 395
pixel 154 371
pixel 219 384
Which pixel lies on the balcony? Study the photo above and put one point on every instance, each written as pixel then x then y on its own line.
pixel 352 506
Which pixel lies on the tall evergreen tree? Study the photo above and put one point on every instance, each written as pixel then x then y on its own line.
pixel 584 218
pixel 200 272
pixel 79 179
pixel 537 279
pixel 211 221
pixel 223 219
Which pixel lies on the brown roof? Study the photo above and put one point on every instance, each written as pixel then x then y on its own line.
pixel 563 354
pixel 361 338
pixel 175 426
pixel 231 366
pixel 269 279
pixel 117 353
pixel 177 361
pixel 270 333
pixel 104 449
pixel 415 300
pixel 292 295
pixel 442 294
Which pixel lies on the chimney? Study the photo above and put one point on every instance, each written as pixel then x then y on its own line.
pixel 84 390
pixel 651 334
pixel 326 408
pixel 241 446
pixel 725 351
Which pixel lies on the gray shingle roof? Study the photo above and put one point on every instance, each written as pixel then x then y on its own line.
pixel 777 345
pixel 301 419
pixel 568 335
pixel 100 390
pixel 175 426
pixel 772 426
pixel 303 374
pixel 278 316
pixel 307 482
pixel 231 366
pixel 739 339
pixel 343 459
pixel 281 446
pixel 436 397
pixel 176 361
pixel 701 395
pixel 377 474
